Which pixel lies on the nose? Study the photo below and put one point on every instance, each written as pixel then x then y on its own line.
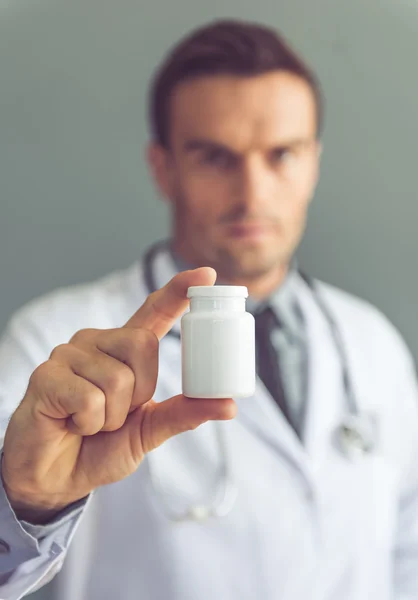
pixel 254 186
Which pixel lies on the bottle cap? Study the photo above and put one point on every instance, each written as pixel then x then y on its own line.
pixel 217 291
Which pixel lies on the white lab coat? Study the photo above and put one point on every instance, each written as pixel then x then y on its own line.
pixel 307 522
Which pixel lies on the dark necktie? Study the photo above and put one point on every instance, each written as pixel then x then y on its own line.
pixel 268 368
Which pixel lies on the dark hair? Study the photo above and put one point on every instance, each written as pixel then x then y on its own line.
pixel 224 47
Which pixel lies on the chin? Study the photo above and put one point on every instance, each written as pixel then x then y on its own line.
pixel 252 250
pixel 251 262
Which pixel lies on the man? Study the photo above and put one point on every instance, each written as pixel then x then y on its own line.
pixel 312 490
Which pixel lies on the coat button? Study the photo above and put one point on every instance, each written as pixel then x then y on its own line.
pixel 4 547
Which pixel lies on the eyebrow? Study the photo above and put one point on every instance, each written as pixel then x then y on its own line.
pixel 201 144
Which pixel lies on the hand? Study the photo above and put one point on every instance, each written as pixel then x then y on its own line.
pixel 88 418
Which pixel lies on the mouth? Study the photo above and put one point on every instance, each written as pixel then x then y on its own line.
pixel 247 231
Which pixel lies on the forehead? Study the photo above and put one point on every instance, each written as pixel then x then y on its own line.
pixel 243 111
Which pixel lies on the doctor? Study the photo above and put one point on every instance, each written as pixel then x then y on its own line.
pixel 311 492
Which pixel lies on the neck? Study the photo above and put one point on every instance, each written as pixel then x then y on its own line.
pixel 259 286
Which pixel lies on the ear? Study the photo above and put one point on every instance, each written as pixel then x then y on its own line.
pixel 159 166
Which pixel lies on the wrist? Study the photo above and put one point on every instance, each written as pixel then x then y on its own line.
pixel 34 511
pixel 32 507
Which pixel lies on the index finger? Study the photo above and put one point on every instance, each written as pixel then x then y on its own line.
pixel 163 307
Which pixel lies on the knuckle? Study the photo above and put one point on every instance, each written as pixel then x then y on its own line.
pixel 59 351
pixel 85 428
pixel 151 298
pixel 82 336
pixel 141 342
pixel 93 400
pixel 119 380
pixel 147 341
pixel 40 375
pixel 114 423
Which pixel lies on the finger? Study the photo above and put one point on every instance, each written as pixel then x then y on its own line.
pixel 114 378
pixel 68 397
pixel 87 409
pixel 163 307
pixel 138 349
pixel 155 423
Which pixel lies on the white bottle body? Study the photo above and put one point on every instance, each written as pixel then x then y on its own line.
pixel 218 348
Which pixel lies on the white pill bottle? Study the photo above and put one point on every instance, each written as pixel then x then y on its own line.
pixel 218 343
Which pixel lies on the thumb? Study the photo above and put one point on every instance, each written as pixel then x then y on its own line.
pixel 159 421
pixel 163 307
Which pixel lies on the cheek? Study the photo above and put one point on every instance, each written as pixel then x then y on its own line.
pixel 294 208
pixel 296 198
pixel 208 183
pixel 207 198
pixel 300 189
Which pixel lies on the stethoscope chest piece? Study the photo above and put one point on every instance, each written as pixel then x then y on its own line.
pixel 356 436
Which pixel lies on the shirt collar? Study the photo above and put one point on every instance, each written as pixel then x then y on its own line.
pixel 283 301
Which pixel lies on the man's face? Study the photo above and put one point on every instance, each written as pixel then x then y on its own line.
pixel 240 171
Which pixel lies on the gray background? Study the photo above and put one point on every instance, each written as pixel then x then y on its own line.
pixel 76 200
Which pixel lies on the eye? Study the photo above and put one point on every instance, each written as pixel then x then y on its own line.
pixel 281 156
pixel 218 158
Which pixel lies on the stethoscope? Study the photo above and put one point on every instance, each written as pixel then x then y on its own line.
pixel 355 436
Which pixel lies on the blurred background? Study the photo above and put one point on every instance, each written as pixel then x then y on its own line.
pixel 76 200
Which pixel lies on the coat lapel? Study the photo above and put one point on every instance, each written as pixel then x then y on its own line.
pixel 325 394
